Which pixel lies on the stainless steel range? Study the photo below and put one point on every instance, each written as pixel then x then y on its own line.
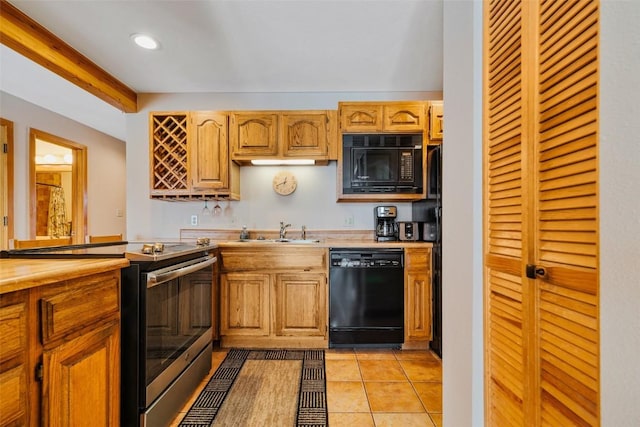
pixel 166 333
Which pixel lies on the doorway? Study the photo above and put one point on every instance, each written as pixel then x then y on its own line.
pixel 57 176
pixel 6 182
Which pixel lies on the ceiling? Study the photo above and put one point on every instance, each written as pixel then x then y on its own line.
pixel 242 45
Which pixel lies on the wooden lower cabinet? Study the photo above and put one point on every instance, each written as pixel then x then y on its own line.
pixel 61 368
pixel 267 299
pixel 15 372
pixel 81 380
pixel 245 304
pixel 418 298
pixel 299 304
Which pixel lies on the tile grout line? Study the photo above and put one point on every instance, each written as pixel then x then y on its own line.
pixel 366 394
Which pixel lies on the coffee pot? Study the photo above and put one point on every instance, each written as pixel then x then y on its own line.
pixel 386 228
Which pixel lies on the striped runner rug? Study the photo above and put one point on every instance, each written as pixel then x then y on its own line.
pixel 264 388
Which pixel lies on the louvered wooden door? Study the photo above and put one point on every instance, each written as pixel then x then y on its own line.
pixel 541 207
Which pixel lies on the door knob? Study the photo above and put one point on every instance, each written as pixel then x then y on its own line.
pixel 534 272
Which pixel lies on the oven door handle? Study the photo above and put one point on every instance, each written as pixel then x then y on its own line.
pixel 154 279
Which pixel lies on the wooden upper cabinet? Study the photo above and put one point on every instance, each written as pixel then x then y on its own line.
pixel 392 116
pixel 304 135
pixel 436 117
pixel 189 156
pixel 254 134
pixel 209 154
pixel 360 117
pixel 404 117
pixel 282 135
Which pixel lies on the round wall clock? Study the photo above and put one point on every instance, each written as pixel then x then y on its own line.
pixel 284 183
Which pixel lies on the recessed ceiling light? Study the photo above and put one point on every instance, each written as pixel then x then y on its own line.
pixel 145 41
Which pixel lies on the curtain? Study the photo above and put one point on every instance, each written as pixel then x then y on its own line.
pixel 57 223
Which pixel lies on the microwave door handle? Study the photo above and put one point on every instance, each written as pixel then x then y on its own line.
pixel 154 279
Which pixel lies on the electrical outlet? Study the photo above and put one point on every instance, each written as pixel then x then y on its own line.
pixel 194 219
pixel 348 221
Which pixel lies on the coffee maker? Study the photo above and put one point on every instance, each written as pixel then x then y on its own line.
pixel 384 219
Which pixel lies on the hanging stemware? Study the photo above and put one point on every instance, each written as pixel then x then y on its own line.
pixel 227 209
pixel 206 211
pixel 217 209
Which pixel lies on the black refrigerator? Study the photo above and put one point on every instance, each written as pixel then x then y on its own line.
pixel 428 213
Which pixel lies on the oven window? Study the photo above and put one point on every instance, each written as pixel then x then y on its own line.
pixel 374 165
pixel 178 313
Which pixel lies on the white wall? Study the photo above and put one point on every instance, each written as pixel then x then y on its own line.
pixel 312 204
pixel 462 358
pixel 619 215
pixel 106 189
pixel 620 212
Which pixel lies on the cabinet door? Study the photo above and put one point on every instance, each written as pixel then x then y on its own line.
pixel 404 117
pixel 360 117
pixel 209 151
pixel 299 304
pixel 245 304
pixel 418 307
pixel 81 382
pixel 436 123
pixel 14 359
pixel 253 134
pixel 305 135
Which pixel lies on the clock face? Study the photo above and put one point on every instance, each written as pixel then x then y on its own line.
pixel 284 183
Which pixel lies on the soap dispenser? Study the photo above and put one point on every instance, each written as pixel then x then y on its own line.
pixel 244 234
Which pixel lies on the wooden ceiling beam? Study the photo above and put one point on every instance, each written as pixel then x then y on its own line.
pixel 30 39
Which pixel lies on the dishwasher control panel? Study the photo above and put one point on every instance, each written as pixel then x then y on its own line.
pixel 378 258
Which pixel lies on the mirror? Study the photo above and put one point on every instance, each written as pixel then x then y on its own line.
pixel 58 187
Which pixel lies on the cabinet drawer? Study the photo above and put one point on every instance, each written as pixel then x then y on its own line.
pixel 273 259
pixel 13 330
pixel 418 259
pixel 76 304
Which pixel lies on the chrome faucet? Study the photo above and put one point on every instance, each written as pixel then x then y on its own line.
pixel 283 229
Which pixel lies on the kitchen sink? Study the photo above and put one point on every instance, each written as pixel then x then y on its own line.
pixel 293 241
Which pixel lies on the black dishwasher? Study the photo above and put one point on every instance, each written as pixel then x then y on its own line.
pixel 366 297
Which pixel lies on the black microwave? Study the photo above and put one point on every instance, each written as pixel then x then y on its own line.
pixel 382 163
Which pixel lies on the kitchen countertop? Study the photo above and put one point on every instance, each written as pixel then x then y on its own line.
pixel 329 243
pixel 326 238
pixel 19 274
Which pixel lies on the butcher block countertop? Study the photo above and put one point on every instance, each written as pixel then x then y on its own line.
pixel 17 274
pixel 315 238
pixel 323 244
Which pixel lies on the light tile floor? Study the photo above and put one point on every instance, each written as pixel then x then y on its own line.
pixel 379 387
pixel 374 387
